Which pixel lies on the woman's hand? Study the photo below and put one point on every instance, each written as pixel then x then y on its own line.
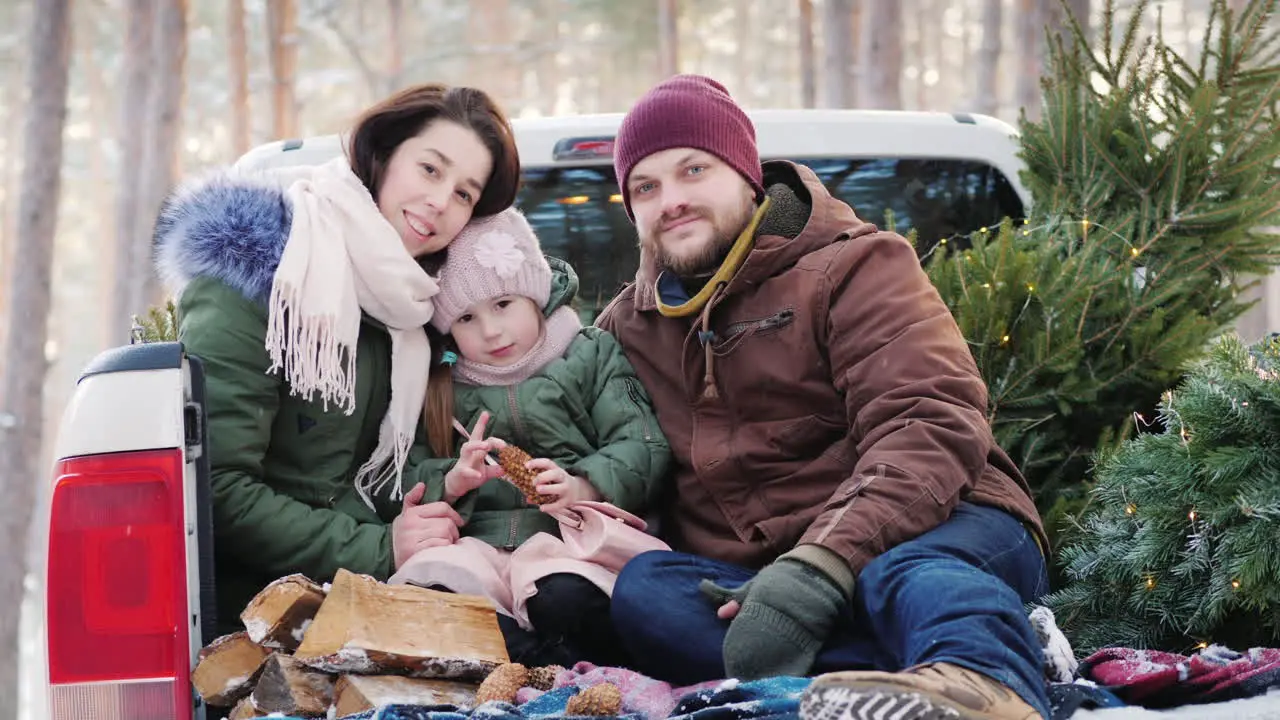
pixel 422 526
pixel 471 471
pixel 555 481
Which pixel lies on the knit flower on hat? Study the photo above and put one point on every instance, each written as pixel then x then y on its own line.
pixel 498 252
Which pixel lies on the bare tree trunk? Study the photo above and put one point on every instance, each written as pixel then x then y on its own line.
pixel 103 132
pixel 882 56
pixel 149 143
pixel 351 36
pixel 742 28
pixel 838 40
pixel 1189 47
pixel 161 156
pixel 808 73
pixel 395 44
pixel 959 87
pixel 549 59
pixel 988 100
pixel 9 169
pixel 238 56
pixel 30 298
pixel 668 38
pixel 1031 28
pixel 857 71
pixel 282 34
pixel 504 74
pixel 489 29
pixel 7 190
pixel 130 272
pixel 923 51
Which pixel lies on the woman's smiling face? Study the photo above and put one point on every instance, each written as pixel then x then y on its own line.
pixel 432 183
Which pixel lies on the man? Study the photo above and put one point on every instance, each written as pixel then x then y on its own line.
pixel 838 491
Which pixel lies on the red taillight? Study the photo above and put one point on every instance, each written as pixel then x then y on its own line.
pixel 117 589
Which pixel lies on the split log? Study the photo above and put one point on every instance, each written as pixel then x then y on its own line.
pixel 290 687
pixel 366 627
pixel 278 616
pixel 357 693
pixel 227 669
pixel 244 710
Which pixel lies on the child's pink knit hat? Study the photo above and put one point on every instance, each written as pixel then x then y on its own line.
pixel 492 256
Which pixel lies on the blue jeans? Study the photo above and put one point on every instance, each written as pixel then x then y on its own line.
pixel 955 594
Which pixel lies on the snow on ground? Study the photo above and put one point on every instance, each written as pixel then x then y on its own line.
pixel 1266 707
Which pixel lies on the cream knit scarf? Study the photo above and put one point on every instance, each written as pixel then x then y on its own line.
pixel 343 257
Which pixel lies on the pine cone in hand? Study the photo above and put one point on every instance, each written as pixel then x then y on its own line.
pixel 502 684
pixel 601 700
pixel 512 460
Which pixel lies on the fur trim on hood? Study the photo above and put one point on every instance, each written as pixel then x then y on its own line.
pixel 229 226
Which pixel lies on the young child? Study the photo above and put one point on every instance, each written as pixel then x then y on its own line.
pixel 523 367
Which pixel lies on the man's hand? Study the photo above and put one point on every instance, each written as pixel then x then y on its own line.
pixel 780 619
pixel 556 482
pixel 422 526
pixel 471 471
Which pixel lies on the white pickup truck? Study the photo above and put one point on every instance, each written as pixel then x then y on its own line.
pixel 126 587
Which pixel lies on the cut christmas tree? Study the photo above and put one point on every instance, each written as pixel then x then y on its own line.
pixel 1155 203
pixel 1180 547
pixel 160 324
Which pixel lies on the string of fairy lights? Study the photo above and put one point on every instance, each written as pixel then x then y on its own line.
pixel 1086 225
pixel 1149 581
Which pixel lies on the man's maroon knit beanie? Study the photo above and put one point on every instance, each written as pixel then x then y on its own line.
pixel 690 111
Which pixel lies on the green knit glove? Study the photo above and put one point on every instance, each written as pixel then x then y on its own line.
pixel 787 611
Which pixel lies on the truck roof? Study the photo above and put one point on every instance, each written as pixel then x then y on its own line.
pixel 781 134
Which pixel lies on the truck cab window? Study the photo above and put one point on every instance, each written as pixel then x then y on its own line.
pixel 578 214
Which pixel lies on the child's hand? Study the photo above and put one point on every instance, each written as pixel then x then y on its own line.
pixel 470 472
pixel 556 482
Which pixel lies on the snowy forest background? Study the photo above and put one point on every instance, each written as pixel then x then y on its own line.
pixel 161 89
pixel 243 72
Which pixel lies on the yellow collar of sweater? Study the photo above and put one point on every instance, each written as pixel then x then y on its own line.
pixel 732 263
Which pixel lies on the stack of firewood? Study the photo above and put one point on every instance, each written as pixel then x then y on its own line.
pixel 352 646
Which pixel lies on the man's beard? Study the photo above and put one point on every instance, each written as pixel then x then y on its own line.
pixel 703 260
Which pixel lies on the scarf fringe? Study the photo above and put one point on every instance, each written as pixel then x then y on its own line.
pixel 311 354
pixel 384 470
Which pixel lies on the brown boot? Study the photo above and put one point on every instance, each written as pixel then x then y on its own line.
pixel 936 691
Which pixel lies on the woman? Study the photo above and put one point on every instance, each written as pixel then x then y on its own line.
pixel 305 292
